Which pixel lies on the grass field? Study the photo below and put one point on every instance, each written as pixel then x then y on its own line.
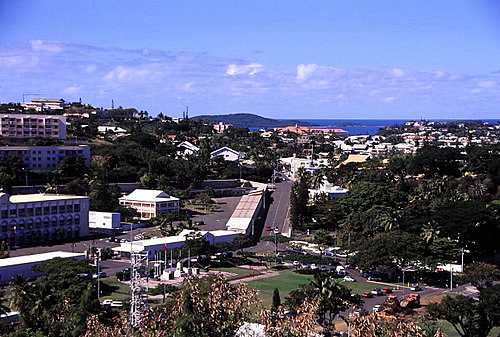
pixel 356 287
pixel 121 291
pixel 240 272
pixel 286 281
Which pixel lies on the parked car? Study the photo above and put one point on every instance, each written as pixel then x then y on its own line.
pixel 374 278
pixel 323 268
pixel 279 261
pixel 314 266
pixel 199 223
pixel 377 292
pixel 117 304
pixel 416 287
pixel 349 279
pixel 387 290
pixel 100 275
pixel 377 308
pixel 367 294
pixel 107 302
pixel 268 227
pixel 296 263
pixel 304 266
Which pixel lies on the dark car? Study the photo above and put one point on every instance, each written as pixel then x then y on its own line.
pixel 367 294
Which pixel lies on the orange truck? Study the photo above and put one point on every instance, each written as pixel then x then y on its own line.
pixel 411 301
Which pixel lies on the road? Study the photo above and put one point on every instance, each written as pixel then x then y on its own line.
pixel 277 216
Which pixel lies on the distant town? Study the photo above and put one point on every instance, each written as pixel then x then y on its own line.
pixel 119 222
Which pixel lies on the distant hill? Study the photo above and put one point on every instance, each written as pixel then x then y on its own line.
pixel 248 120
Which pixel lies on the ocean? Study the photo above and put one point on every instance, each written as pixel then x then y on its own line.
pixel 371 126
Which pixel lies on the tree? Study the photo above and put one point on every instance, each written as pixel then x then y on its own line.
pixel 481 275
pixel 207 306
pixel 298 202
pixel 389 251
pixel 59 303
pixel 241 241
pixel 331 297
pixel 468 316
pixel 276 300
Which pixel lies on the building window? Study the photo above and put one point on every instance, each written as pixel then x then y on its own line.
pixel 13 213
pixel 38 211
pixel 77 208
pixel 46 210
pixel 4 214
pixel 69 208
pixel 53 209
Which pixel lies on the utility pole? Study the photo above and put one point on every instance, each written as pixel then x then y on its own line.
pixel 451 278
pixel 98 260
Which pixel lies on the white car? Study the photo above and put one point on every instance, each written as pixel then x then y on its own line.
pixel 314 266
pixel 349 279
pixel 377 308
pixel 296 263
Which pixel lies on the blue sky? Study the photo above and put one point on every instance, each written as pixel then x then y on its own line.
pixel 279 59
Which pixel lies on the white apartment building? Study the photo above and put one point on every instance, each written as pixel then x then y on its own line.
pixel 104 220
pixel 150 203
pixel 46 158
pixel 19 126
pixel 40 218
pixel 45 104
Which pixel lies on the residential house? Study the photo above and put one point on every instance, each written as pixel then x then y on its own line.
pixel 150 203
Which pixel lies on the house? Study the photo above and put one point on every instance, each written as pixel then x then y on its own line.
pixel 150 203
pixel 152 246
pixel 42 104
pixel 45 158
pixel 111 129
pixel 40 218
pixel 21 265
pixel 19 127
pixel 188 149
pixel 228 154
pixel 220 127
pixel 328 188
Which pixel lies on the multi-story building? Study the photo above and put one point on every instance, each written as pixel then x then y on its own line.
pixel 150 203
pixel 45 104
pixel 46 157
pixel 18 126
pixel 40 218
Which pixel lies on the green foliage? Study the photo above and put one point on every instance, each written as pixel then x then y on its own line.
pixel 276 300
pixel 468 316
pixel 298 203
pixel 331 297
pixel 57 304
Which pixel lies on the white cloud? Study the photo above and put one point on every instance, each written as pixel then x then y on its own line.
pixel 396 72
pixel 389 99
pixel 90 68
pixel 72 90
pixel 249 69
pixel 46 46
pixel 487 84
pixel 304 71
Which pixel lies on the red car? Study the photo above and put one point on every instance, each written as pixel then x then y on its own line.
pixel 387 290
pixel 268 227
pixel 367 294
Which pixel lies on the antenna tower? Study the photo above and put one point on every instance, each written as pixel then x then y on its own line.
pixel 138 285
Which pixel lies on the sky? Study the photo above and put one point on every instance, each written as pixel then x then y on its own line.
pixel 310 59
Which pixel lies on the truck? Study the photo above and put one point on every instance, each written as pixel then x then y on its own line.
pixel 412 301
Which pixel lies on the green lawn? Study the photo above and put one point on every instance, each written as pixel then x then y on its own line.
pixel 121 290
pixel 356 287
pixel 240 272
pixel 286 281
pixel 450 331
